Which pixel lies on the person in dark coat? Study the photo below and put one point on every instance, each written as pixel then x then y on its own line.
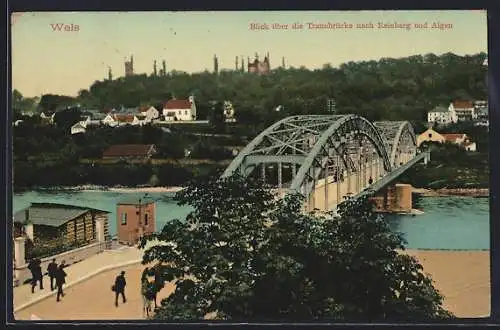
pixel 35 266
pixel 52 271
pixel 119 287
pixel 60 280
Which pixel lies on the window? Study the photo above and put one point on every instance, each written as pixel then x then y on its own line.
pixel 124 219
pixel 430 135
pixel 146 219
pixel 185 112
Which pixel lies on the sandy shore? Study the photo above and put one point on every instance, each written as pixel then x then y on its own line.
pixel 461 276
pixel 471 192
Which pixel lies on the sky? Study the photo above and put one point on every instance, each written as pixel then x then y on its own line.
pixel 46 60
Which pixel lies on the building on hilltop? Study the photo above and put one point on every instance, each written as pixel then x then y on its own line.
pixel 129 66
pixel 260 67
pixel 135 218
pixel 464 110
pixel 442 115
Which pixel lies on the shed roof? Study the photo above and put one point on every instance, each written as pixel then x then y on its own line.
pixel 51 214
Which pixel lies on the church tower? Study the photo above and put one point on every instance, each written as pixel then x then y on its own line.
pixel 155 73
pixel 129 66
pixel 110 74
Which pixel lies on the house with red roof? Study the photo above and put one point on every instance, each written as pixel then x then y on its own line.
pixel 464 109
pixel 175 110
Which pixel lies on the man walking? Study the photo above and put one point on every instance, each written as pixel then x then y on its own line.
pixel 52 271
pixel 36 273
pixel 60 280
pixel 119 287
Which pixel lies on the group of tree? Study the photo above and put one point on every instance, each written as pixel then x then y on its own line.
pixel 242 255
pixel 387 89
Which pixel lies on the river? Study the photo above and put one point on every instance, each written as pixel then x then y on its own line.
pixel 455 223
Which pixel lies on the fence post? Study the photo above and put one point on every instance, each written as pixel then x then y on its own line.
pixel 29 230
pixel 19 251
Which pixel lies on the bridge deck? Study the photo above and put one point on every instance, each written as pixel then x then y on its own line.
pixel 384 181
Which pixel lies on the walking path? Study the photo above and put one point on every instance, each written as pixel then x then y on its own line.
pixel 77 273
pixel 461 276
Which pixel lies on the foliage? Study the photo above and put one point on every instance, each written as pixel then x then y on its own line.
pixel 21 104
pixel 450 167
pixel 66 118
pixel 242 255
pixel 43 249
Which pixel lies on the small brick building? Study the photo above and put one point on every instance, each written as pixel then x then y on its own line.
pixel 135 217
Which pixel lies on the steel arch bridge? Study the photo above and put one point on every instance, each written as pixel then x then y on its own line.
pixel 327 157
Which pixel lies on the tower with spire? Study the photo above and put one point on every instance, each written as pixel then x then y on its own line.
pixel 216 64
pixel 129 66
pixel 155 73
pixel 110 74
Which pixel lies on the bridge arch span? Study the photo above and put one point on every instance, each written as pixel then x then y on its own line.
pixel 334 136
pixel 405 139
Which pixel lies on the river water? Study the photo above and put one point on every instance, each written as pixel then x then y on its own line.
pixel 456 223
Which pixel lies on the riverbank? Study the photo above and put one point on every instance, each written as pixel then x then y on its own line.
pixel 469 192
pixel 96 188
pixel 463 277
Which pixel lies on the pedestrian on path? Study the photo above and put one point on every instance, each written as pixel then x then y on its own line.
pixel 119 287
pixel 36 273
pixel 60 280
pixel 52 271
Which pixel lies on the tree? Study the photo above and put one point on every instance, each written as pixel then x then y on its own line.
pixel 67 118
pixel 242 255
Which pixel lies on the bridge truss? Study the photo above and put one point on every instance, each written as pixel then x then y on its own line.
pixel 297 152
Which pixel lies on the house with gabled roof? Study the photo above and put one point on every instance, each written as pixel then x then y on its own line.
pixel 174 110
pixel 464 109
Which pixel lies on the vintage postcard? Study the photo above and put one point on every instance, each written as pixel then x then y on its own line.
pixel 315 165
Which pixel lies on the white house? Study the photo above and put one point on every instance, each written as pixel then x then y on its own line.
pixel 78 128
pixel 50 117
pixel 180 109
pixel 465 110
pixel 150 113
pixel 109 120
pixel 442 116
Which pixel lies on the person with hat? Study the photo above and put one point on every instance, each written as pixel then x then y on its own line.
pixel 119 287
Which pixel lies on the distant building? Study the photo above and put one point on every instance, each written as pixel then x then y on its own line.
pixel 260 67
pixel 174 110
pixel 129 67
pixel 150 112
pixel 48 117
pixel 464 110
pixel 442 116
pixel 135 217
pixel 78 128
pixel 129 152
pixel 126 119
pixel 430 135
pixel 459 139
pixel 228 110
pixel 49 222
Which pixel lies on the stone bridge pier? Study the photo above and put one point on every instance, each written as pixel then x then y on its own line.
pixel 395 198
